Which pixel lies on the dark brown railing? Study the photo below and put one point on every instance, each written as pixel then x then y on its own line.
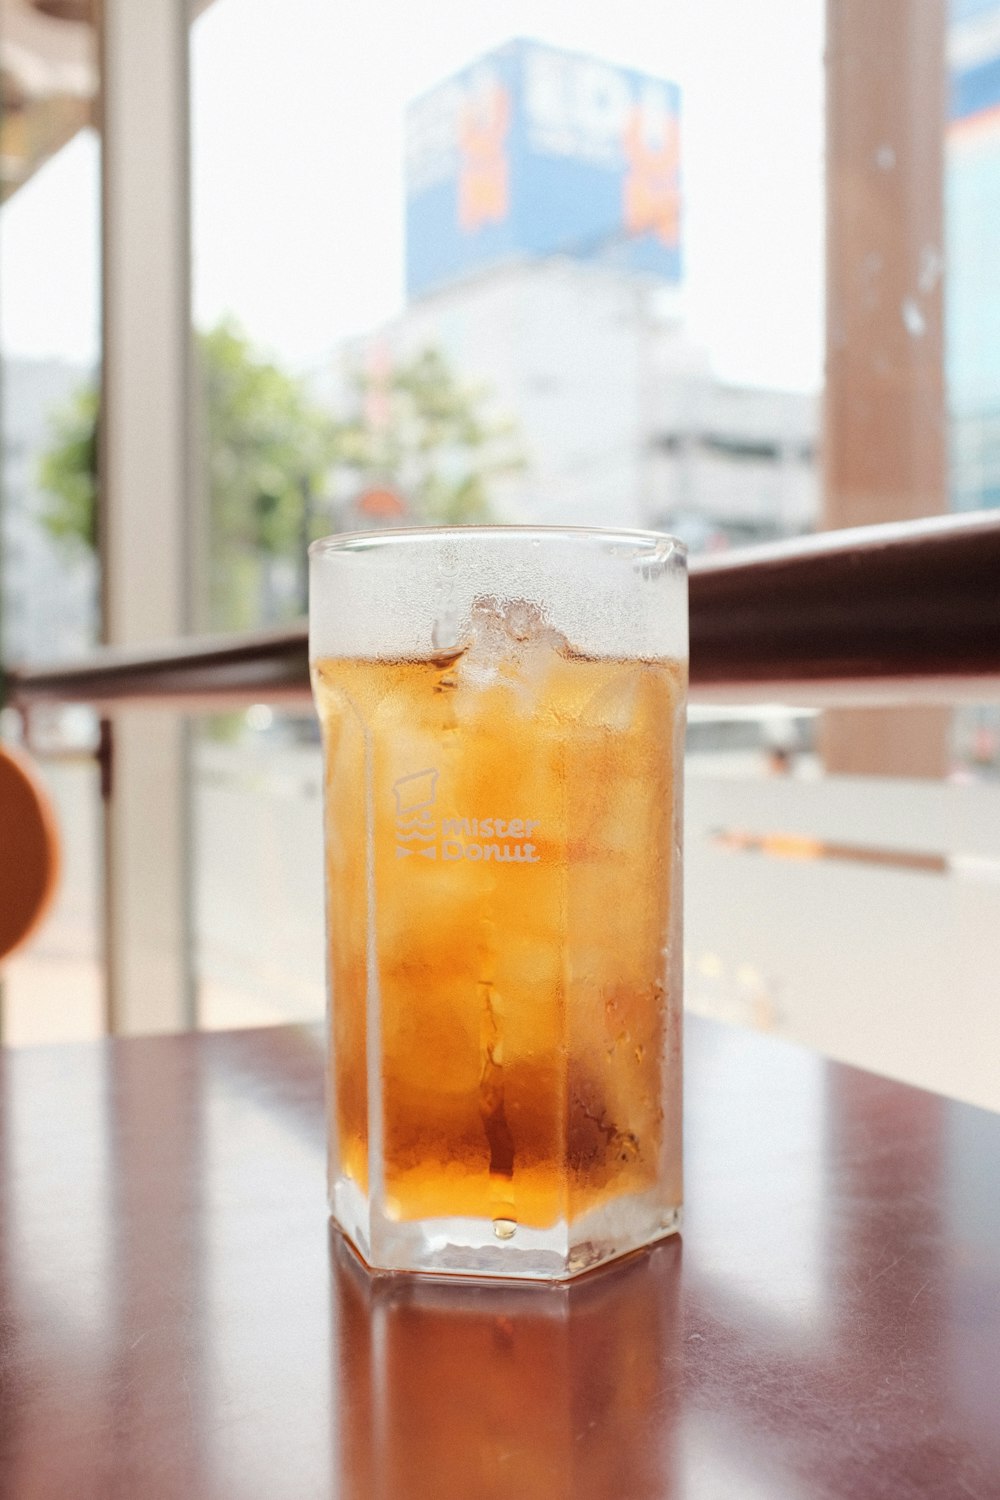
pixel 916 601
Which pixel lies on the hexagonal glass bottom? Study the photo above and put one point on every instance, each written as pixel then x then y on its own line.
pixel 484 1247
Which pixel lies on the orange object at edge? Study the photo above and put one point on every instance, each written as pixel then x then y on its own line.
pixel 29 851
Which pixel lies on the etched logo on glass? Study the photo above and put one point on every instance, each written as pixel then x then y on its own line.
pixel 503 841
pixel 415 826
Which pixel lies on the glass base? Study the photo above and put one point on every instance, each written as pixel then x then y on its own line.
pixel 483 1247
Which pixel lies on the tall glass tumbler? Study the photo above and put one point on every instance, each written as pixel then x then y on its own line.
pixel 502 712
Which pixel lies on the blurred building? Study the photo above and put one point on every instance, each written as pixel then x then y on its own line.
pixel 544 258
pixel 618 415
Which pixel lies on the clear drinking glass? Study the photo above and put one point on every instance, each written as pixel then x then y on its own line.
pixel 502 713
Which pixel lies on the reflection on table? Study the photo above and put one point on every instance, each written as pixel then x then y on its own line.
pixel 176 1320
pixel 465 1388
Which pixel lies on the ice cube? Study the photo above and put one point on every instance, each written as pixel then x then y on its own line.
pixel 616 704
pixel 510 640
pixel 496 624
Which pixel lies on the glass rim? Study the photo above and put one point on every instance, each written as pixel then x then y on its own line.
pixel 362 541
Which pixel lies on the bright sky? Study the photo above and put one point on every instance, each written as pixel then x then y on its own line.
pixel 297 170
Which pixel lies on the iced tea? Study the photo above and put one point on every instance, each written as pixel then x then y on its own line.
pixel 501 842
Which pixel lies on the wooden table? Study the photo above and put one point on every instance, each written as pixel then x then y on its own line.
pixel 176 1321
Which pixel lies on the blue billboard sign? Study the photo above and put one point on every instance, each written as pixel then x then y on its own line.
pixel 966 10
pixel 533 152
pixel 975 90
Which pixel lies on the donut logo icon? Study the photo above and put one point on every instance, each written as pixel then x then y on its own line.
pixel 415 825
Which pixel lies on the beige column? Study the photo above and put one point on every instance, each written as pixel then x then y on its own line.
pixel 144 487
pixel 885 436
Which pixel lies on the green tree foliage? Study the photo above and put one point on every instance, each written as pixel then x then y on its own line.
pixel 267 443
pixel 269 450
pixel 68 472
pixel 420 430
pixel 272 456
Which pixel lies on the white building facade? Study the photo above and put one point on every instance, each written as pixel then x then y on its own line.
pixel 617 414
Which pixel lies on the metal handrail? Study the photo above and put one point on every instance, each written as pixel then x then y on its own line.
pixel 191 671
pixel 914 602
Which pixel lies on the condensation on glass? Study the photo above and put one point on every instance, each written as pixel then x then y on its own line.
pixel 502 713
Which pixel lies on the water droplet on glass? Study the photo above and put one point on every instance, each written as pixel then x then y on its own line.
pixel 504 1229
pixel 445 632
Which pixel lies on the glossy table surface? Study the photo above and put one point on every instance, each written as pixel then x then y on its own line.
pixel 176 1320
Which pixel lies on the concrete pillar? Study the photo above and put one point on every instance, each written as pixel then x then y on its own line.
pixel 145 463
